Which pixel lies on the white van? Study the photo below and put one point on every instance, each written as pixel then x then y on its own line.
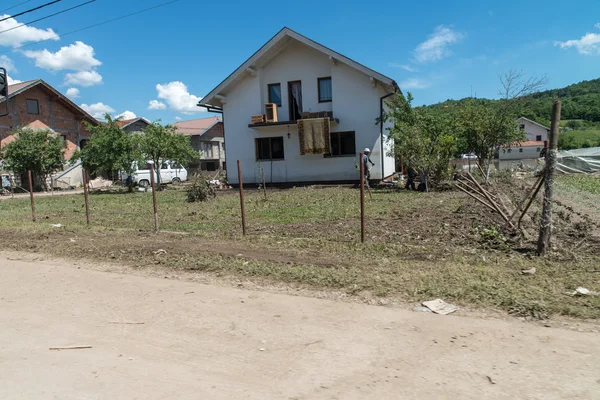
pixel 170 172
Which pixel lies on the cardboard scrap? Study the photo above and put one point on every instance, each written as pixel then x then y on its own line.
pixel 439 306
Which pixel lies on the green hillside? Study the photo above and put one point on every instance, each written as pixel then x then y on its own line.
pixel 580 117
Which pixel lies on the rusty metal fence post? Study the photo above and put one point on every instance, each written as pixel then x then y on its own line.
pixel 239 165
pixel 153 183
pixel 85 195
pixel 362 198
pixel 31 195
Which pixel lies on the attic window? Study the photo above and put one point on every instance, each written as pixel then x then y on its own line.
pixel 275 93
pixel 522 127
pixel 325 94
pixel 33 107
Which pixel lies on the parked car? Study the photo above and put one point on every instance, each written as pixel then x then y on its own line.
pixel 470 156
pixel 170 172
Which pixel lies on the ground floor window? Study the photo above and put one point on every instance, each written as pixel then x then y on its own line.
pixel 343 144
pixel 269 148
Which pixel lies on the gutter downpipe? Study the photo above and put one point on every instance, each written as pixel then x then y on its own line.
pixel 381 129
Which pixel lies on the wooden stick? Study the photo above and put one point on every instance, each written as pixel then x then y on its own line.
pixel 539 186
pixel 128 323
pixel 487 196
pixel 475 197
pixel 70 347
pixel 472 180
pixel 362 198
pixel 529 193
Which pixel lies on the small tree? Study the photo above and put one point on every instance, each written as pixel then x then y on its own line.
pixel 40 152
pixel 486 126
pixel 162 142
pixel 110 149
pixel 425 140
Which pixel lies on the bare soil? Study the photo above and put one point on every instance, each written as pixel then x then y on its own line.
pixel 156 338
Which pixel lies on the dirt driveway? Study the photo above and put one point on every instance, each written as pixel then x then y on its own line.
pixel 210 342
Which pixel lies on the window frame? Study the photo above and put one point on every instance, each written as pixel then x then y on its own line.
pixel 37 106
pixel 340 147
pixel 270 139
pixel 269 93
pixel 538 136
pixel 319 89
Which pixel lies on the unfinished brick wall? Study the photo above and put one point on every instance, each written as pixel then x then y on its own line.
pixel 52 112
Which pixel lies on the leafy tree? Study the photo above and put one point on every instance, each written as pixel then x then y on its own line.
pixel 162 142
pixel 486 126
pixel 424 140
pixel 40 152
pixel 109 149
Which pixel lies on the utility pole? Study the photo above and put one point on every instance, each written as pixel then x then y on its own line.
pixel 551 155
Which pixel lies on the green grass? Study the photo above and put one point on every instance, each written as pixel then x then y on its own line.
pixel 419 245
pixel 579 139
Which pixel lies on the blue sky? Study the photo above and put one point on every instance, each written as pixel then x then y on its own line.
pixel 158 63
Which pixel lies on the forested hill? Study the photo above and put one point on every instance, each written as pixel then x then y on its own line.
pixel 580 101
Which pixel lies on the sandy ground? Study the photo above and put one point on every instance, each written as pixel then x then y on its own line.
pixel 211 342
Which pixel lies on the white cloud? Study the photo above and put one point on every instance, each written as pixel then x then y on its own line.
pixel 178 118
pixel 588 44
pixel 17 37
pixel 406 67
pixel 414 83
pixel 12 81
pixel 83 78
pixel 156 105
pixel 7 63
pixel 597 25
pixel 97 110
pixel 178 98
pixel 126 115
pixel 72 93
pixel 436 47
pixel 77 57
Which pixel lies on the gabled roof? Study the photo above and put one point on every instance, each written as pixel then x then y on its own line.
pixel 535 123
pixel 272 48
pixel 18 88
pixel 197 126
pixel 125 123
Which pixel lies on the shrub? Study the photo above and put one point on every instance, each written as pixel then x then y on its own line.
pixel 200 190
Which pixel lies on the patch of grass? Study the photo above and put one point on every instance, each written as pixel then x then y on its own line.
pixel 419 246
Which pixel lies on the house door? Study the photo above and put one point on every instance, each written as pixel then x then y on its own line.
pixel 295 99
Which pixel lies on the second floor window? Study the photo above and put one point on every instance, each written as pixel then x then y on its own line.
pixel 325 92
pixel 33 106
pixel 275 93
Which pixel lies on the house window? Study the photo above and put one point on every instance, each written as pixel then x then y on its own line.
pixel 520 150
pixel 33 107
pixel 522 127
pixel 207 149
pixel 275 93
pixel 509 150
pixel 538 149
pixel 325 92
pixel 269 148
pixel 538 138
pixel 342 144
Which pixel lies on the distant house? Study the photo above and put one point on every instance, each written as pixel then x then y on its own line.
pixel 37 105
pixel 533 131
pixel 38 101
pixel 521 151
pixel 133 125
pixel 301 112
pixel 207 137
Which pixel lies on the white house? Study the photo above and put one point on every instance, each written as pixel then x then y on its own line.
pixel 305 80
pixel 533 131
pixel 527 150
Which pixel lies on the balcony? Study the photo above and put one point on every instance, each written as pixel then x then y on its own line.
pixel 305 115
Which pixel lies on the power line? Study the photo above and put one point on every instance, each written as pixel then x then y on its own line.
pixel 51 15
pixel 31 10
pixel 93 26
pixel 16 5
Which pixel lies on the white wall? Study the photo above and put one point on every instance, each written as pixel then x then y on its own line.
pixel 355 103
pixel 514 153
pixel 533 130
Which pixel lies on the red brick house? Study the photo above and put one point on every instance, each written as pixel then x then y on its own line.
pixel 35 100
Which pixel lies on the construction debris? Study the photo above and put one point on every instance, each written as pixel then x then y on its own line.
pixel 70 347
pixel 530 271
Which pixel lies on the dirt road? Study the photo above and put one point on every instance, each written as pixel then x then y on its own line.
pixel 210 342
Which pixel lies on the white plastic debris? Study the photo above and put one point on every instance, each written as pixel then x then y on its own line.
pixel 57 225
pixel 160 251
pixel 530 271
pixel 439 306
pixel 581 291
